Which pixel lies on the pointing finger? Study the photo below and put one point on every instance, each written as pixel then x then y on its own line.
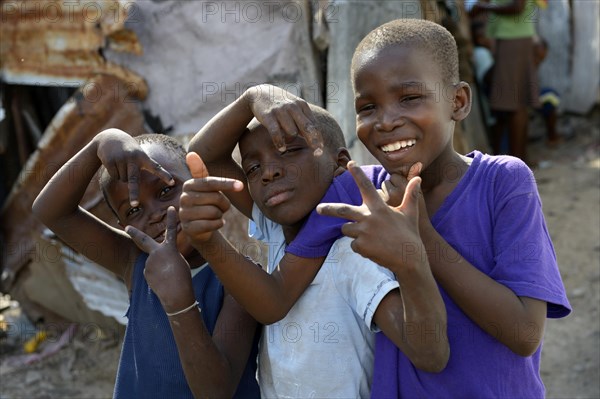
pixel 308 126
pixel 196 165
pixel 415 170
pixel 141 239
pixel 274 129
pixel 133 178
pixel 410 202
pixel 156 169
pixel 171 235
pixel 314 139
pixel 394 189
pixel 212 184
pixel 345 211
pixel 369 194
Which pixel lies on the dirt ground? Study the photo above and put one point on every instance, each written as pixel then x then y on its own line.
pixel 569 183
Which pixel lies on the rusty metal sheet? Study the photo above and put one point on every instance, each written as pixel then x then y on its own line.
pixel 60 43
pixel 87 113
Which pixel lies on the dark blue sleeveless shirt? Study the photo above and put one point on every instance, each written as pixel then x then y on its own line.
pixel 149 366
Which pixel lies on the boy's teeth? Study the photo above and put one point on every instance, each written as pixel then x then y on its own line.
pixel 398 145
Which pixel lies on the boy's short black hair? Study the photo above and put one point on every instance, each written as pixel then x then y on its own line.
pixel 167 142
pixel 418 33
pixel 164 140
pixel 333 136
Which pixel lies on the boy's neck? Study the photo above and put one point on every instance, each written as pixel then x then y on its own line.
pixel 291 231
pixel 447 169
pixel 441 178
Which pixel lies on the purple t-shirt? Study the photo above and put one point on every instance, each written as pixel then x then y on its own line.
pixel 494 219
pixel 320 232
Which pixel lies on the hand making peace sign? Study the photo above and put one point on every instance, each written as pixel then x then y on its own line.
pixel 386 234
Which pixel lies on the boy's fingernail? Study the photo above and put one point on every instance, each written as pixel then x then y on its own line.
pixel 238 185
pixel 134 203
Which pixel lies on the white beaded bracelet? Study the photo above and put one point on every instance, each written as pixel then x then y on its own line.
pixel 192 306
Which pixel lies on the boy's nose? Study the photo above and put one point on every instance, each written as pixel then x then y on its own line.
pixel 389 119
pixel 271 172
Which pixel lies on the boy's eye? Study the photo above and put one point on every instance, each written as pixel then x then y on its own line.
pixel 133 211
pixel 165 191
pixel 289 150
pixel 365 108
pixel 411 98
pixel 252 169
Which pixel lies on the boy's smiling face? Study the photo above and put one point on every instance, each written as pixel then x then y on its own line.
pixel 155 196
pixel 286 186
pixel 405 112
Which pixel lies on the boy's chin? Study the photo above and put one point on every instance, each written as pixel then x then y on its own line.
pixel 288 213
pixel 392 169
pixel 286 218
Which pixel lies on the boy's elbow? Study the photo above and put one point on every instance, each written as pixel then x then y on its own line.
pixel 435 361
pixel 271 317
pixel 526 348
pixel 268 320
pixel 276 312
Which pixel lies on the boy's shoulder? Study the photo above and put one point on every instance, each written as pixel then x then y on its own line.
pixel 498 177
pixel 500 168
pixel 375 173
pixel 344 184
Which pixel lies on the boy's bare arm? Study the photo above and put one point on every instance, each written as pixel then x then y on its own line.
pixel 212 365
pixel 283 114
pixel 491 305
pixel 57 206
pixel 517 322
pixel 267 297
pixel 215 143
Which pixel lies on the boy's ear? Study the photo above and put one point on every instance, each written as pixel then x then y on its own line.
pixel 462 101
pixel 343 157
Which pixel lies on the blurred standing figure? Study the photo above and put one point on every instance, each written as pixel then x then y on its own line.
pixel 549 98
pixel 514 87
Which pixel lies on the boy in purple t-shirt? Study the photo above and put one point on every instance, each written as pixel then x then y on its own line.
pixel 480 221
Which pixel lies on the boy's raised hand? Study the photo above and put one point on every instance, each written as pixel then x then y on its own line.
pixel 387 235
pixel 202 204
pixel 285 116
pixel 166 271
pixel 392 190
pixel 124 160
